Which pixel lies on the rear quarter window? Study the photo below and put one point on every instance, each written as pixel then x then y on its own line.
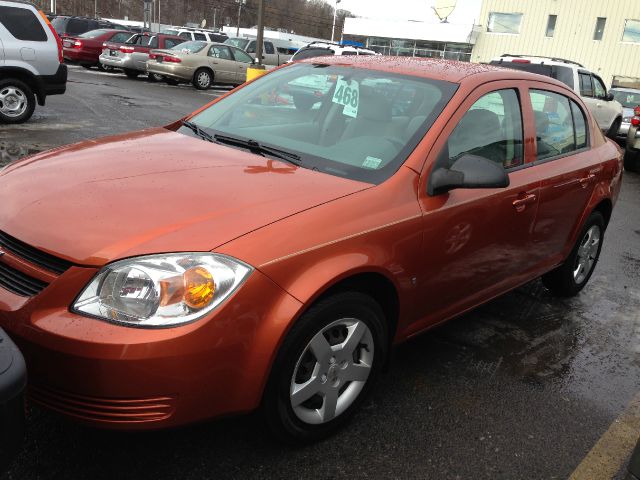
pixel 22 24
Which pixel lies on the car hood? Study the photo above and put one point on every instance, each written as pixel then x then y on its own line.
pixel 150 192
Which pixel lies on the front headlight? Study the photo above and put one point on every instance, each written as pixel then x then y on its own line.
pixel 161 290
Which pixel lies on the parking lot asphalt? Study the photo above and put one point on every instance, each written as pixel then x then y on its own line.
pixel 522 387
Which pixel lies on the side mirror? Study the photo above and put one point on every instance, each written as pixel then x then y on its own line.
pixel 609 97
pixel 469 171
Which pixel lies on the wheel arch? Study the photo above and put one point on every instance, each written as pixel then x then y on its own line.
pixel 209 69
pixel 28 78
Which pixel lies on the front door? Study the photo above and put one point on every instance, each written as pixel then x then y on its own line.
pixel 476 240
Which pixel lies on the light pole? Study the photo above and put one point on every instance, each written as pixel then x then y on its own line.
pixel 335 13
pixel 240 3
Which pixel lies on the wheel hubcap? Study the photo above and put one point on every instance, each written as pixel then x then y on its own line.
pixel 587 254
pixel 332 371
pixel 13 101
pixel 203 79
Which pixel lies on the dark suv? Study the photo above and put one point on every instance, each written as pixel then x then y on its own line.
pixel 31 66
pixel 73 26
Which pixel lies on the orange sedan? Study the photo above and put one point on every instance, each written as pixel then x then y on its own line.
pixel 268 250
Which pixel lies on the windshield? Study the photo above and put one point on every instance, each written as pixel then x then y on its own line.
pixel 627 99
pixel 354 123
pixel 191 47
pixel 93 34
pixel 241 43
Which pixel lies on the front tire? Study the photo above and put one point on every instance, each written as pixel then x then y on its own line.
pixel 131 73
pixel 569 278
pixel 203 79
pixel 17 101
pixel 325 367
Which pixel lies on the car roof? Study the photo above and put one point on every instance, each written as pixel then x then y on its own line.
pixel 536 59
pixel 436 69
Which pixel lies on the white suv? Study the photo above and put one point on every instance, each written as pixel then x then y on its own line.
pixel 321 49
pixel 31 63
pixel 590 87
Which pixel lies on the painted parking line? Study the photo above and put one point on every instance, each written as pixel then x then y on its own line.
pixel 608 455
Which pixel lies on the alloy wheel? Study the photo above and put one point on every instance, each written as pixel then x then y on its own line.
pixel 587 254
pixel 332 371
pixel 13 101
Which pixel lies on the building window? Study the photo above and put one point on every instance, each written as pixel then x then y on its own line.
pixel 597 35
pixel 631 31
pixel 504 22
pixel 551 25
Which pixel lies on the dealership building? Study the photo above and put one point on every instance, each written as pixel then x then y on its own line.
pixel 602 35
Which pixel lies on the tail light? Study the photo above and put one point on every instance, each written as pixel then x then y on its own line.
pixel 77 44
pixel 172 60
pixel 635 121
pixel 152 56
pixel 124 49
pixel 55 35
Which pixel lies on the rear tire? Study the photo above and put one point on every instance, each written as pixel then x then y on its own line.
pixel 17 101
pixel 155 77
pixel 131 73
pixel 202 79
pixel 569 278
pixel 612 133
pixel 325 367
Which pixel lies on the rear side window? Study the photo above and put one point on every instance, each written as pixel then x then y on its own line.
pixel 556 133
pixel 200 36
pixel 22 24
pixel 120 37
pixel 186 35
pixel 586 86
pixel 492 128
pixel 251 48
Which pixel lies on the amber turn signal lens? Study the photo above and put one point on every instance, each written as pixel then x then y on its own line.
pixel 199 287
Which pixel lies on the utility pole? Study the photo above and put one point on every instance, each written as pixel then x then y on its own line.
pixel 335 13
pixel 259 40
pixel 240 4
pixel 215 11
pixel 53 6
pixel 95 8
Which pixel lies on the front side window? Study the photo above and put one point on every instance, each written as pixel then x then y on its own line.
pixel 504 22
pixel 22 24
pixel 580 123
pixel 240 56
pixel 631 31
pixel 599 31
pixel 598 88
pixel 252 47
pixel 492 128
pixel 337 120
pixel 555 133
pixel 268 48
pixel 586 85
pixel 551 25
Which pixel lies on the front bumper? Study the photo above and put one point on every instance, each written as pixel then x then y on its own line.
pixel 13 378
pixel 178 72
pixel 113 376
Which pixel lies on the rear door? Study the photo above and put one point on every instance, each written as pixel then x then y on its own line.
pixel 222 63
pixel 587 92
pixel 477 240
pixel 567 168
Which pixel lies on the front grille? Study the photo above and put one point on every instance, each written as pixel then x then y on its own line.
pixel 33 255
pixel 104 410
pixel 19 283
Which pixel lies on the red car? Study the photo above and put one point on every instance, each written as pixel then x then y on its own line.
pixel 267 252
pixel 86 48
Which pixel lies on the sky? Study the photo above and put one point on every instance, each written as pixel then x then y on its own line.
pixel 466 11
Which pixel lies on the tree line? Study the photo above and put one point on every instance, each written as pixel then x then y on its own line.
pixel 304 17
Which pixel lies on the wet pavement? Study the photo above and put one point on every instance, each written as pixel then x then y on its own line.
pixel 522 387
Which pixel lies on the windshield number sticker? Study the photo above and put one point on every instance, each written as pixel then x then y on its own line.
pixel 347 94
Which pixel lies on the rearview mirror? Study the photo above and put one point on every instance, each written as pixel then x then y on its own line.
pixel 468 171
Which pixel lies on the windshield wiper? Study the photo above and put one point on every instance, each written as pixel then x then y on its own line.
pixel 198 131
pixel 259 149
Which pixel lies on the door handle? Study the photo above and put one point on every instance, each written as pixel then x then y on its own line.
pixel 521 203
pixel 587 180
